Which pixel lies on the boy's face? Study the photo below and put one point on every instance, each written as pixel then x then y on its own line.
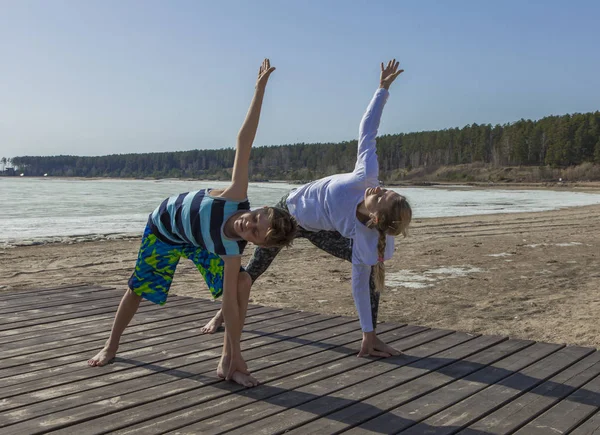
pixel 253 226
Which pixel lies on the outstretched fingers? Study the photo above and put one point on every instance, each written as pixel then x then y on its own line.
pixel 264 71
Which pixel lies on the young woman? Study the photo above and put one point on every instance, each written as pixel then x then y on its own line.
pixel 351 217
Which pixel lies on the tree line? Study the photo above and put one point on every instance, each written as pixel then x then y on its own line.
pixel 556 141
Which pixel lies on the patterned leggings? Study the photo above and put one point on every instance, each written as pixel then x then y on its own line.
pixel 329 241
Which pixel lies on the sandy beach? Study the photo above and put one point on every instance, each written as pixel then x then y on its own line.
pixel 526 275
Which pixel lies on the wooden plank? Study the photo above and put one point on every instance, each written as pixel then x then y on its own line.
pixel 525 408
pixel 228 417
pixel 184 352
pixel 81 353
pixel 97 293
pixel 102 325
pixel 172 380
pixel 159 402
pixel 130 342
pixel 182 347
pixel 491 397
pixel 590 426
pixel 313 382
pixel 406 394
pixel 294 407
pixel 59 303
pixel 16 299
pixel 191 325
pixel 415 402
pixel 59 337
pixel 17 356
pixel 43 302
pixel 40 316
pixel 30 316
pixel 170 371
pixel 146 314
pixel 147 310
pixel 72 318
pixel 276 376
pixel 134 345
pixel 34 291
pixel 569 413
pixel 109 311
pixel 170 334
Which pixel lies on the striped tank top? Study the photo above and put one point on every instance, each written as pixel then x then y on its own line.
pixel 197 218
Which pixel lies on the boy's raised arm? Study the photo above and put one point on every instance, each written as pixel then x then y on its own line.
pixel 239 179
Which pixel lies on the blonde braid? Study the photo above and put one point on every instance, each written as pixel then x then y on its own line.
pixel 379 275
pixel 393 222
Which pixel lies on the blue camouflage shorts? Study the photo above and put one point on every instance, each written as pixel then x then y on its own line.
pixel 158 260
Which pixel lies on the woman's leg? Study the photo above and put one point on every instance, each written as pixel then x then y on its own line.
pixel 374 297
pixel 331 242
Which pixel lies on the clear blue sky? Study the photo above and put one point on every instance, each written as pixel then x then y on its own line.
pixel 102 77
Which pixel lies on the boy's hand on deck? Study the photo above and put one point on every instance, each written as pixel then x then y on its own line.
pixel 389 73
pixel 238 372
pixel 236 364
pixel 264 72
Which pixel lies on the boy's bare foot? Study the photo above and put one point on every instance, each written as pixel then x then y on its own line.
pixel 239 378
pixel 105 356
pixel 214 324
pixel 245 380
pixel 221 367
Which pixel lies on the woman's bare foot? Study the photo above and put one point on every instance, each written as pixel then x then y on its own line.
pixel 105 356
pixel 214 324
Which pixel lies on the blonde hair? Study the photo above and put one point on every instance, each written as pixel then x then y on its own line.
pixel 282 228
pixel 393 221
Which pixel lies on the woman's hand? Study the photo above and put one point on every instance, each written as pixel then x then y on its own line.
pixel 389 74
pixel 373 346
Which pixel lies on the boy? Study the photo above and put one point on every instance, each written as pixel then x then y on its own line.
pixel 211 228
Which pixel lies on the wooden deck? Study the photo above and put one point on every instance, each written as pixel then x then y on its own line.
pixel 163 381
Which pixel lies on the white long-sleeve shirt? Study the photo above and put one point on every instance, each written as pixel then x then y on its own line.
pixel 330 204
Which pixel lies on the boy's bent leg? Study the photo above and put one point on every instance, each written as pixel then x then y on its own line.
pixel 258 264
pixel 244 285
pixel 127 309
pixel 214 324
